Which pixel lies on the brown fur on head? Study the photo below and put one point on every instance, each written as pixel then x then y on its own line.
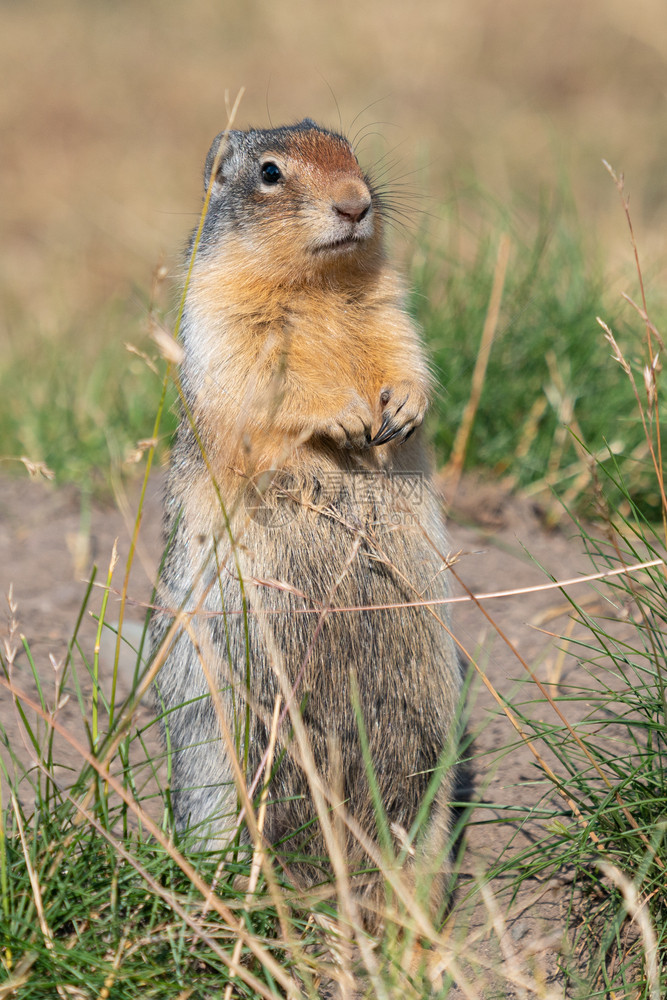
pixel 290 206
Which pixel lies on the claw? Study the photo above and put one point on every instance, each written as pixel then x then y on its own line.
pixel 389 434
pixel 398 434
pixel 386 417
pixel 386 431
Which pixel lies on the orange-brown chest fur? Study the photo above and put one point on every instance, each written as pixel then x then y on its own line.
pixel 268 362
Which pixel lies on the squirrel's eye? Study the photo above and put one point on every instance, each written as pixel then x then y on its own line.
pixel 271 173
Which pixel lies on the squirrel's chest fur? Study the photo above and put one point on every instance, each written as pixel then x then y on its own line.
pixel 262 364
pixel 311 338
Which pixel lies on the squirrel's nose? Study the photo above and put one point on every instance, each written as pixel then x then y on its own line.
pixel 353 203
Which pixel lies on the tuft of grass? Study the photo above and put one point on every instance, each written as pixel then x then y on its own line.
pixel 550 397
pixel 610 837
pixel 99 895
pixel 80 401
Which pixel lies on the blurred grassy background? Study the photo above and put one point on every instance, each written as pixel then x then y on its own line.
pixel 107 110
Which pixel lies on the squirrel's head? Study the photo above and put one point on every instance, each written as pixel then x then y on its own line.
pixel 290 204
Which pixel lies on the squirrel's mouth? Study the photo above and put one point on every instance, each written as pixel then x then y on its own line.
pixel 345 243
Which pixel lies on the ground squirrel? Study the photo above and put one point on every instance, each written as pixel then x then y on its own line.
pixel 299 486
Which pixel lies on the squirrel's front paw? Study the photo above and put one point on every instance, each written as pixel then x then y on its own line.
pixel 403 408
pixel 351 426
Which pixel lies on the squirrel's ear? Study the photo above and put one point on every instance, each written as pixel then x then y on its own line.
pixel 219 151
pixel 309 123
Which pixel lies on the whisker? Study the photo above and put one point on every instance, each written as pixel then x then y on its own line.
pixel 363 112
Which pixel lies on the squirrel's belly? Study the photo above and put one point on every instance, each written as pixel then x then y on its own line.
pixel 336 616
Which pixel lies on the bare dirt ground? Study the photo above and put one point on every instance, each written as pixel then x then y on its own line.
pixel 501 541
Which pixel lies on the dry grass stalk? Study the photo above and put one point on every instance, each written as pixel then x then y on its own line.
pixel 258 855
pixel 459 599
pixel 37 469
pixel 654 367
pixel 186 867
pixel 34 881
pixel 637 911
pixel 582 746
pixel 154 436
pixel 455 465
